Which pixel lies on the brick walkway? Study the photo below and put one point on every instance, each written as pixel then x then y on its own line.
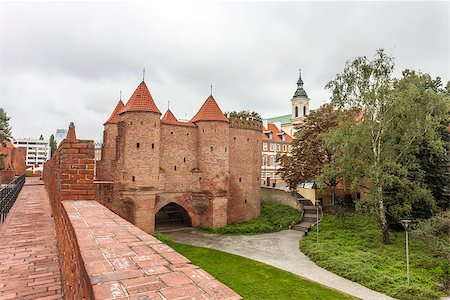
pixel 29 264
pixel 123 262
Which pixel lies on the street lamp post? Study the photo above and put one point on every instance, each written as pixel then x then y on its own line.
pixel 405 224
pixel 317 224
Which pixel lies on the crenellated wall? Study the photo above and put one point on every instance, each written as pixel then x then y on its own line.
pixel 102 255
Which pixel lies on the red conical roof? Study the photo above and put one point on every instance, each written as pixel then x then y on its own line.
pixel 209 111
pixel 115 118
pixel 168 116
pixel 141 100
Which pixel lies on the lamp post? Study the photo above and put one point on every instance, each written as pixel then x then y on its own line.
pixel 405 224
pixel 317 224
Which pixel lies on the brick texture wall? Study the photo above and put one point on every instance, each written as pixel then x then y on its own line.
pixel 69 175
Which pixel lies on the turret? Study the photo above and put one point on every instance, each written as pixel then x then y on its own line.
pixel 105 167
pixel 213 157
pixel 138 141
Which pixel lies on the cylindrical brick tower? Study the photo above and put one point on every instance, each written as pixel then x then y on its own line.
pixel 105 167
pixel 138 157
pixel 213 159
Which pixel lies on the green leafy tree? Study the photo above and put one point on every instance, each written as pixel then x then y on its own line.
pixel 53 144
pixel 379 151
pixel 309 155
pixel 5 133
pixel 244 114
pixel 5 128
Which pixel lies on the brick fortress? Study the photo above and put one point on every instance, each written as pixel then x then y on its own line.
pixel 160 172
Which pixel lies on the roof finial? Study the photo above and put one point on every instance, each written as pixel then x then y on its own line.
pixel 211 89
pixel 300 73
pixel 120 95
pixel 143 74
pixel 168 104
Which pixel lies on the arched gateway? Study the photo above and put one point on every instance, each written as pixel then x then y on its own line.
pixel 172 216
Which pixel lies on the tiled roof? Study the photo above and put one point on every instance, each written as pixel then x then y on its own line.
pixel 115 118
pixel 209 111
pixel 141 100
pixel 168 116
pixel 276 133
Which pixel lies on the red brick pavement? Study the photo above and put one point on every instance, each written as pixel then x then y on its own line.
pixel 124 262
pixel 29 263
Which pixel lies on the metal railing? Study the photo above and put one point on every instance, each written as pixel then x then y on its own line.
pixel 8 195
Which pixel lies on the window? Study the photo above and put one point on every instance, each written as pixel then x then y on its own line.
pixel 184 159
pixel 284 148
pixel 304 110
pixel 296 111
pixel 264 146
pixel 174 168
pixel 153 146
pixel 138 145
pixel 265 160
pixel 211 149
pixel 226 149
pixel 245 201
pixel 171 132
pixel 133 178
pixel 278 147
pixel 272 160
pixel 272 147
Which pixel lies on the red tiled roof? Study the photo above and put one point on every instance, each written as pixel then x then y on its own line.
pixel 141 100
pixel 168 116
pixel 276 133
pixel 115 118
pixel 209 111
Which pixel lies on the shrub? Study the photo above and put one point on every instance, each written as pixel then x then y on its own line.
pixel 273 217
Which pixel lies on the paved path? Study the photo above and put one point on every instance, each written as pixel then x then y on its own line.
pixel 29 266
pixel 280 250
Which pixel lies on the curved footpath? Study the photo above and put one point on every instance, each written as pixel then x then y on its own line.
pixel 281 250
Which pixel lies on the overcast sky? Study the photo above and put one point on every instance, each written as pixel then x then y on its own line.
pixel 63 62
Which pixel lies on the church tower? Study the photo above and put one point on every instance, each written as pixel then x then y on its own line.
pixel 300 103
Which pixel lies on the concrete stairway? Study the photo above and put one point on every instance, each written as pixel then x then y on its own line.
pixel 309 214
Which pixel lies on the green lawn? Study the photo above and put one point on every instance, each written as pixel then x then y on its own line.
pixel 252 279
pixel 273 217
pixel 350 245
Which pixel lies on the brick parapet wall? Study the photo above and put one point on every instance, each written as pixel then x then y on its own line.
pixel 69 175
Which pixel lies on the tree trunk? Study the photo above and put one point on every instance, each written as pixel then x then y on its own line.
pixel 383 220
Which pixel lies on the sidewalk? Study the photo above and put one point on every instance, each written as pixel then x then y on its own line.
pixel 29 264
pixel 279 249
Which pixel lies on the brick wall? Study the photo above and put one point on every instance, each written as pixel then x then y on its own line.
pixel 102 255
pixel 69 175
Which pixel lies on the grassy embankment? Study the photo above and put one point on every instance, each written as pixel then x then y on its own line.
pixel 273 218
pixel 350 245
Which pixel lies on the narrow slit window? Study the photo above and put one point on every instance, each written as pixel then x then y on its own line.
pixel 211 149
pixel 174 168
pixel 184 159
pixel 240 179
pixel 138 145
pixel 133 178
pixel 153 146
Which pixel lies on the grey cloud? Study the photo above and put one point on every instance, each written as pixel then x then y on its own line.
pixel 62 62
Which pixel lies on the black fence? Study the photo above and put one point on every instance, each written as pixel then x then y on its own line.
pixel 8 195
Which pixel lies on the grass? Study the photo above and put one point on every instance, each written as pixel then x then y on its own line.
pixel 273 218
pixel 350 245
pixel 251 279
